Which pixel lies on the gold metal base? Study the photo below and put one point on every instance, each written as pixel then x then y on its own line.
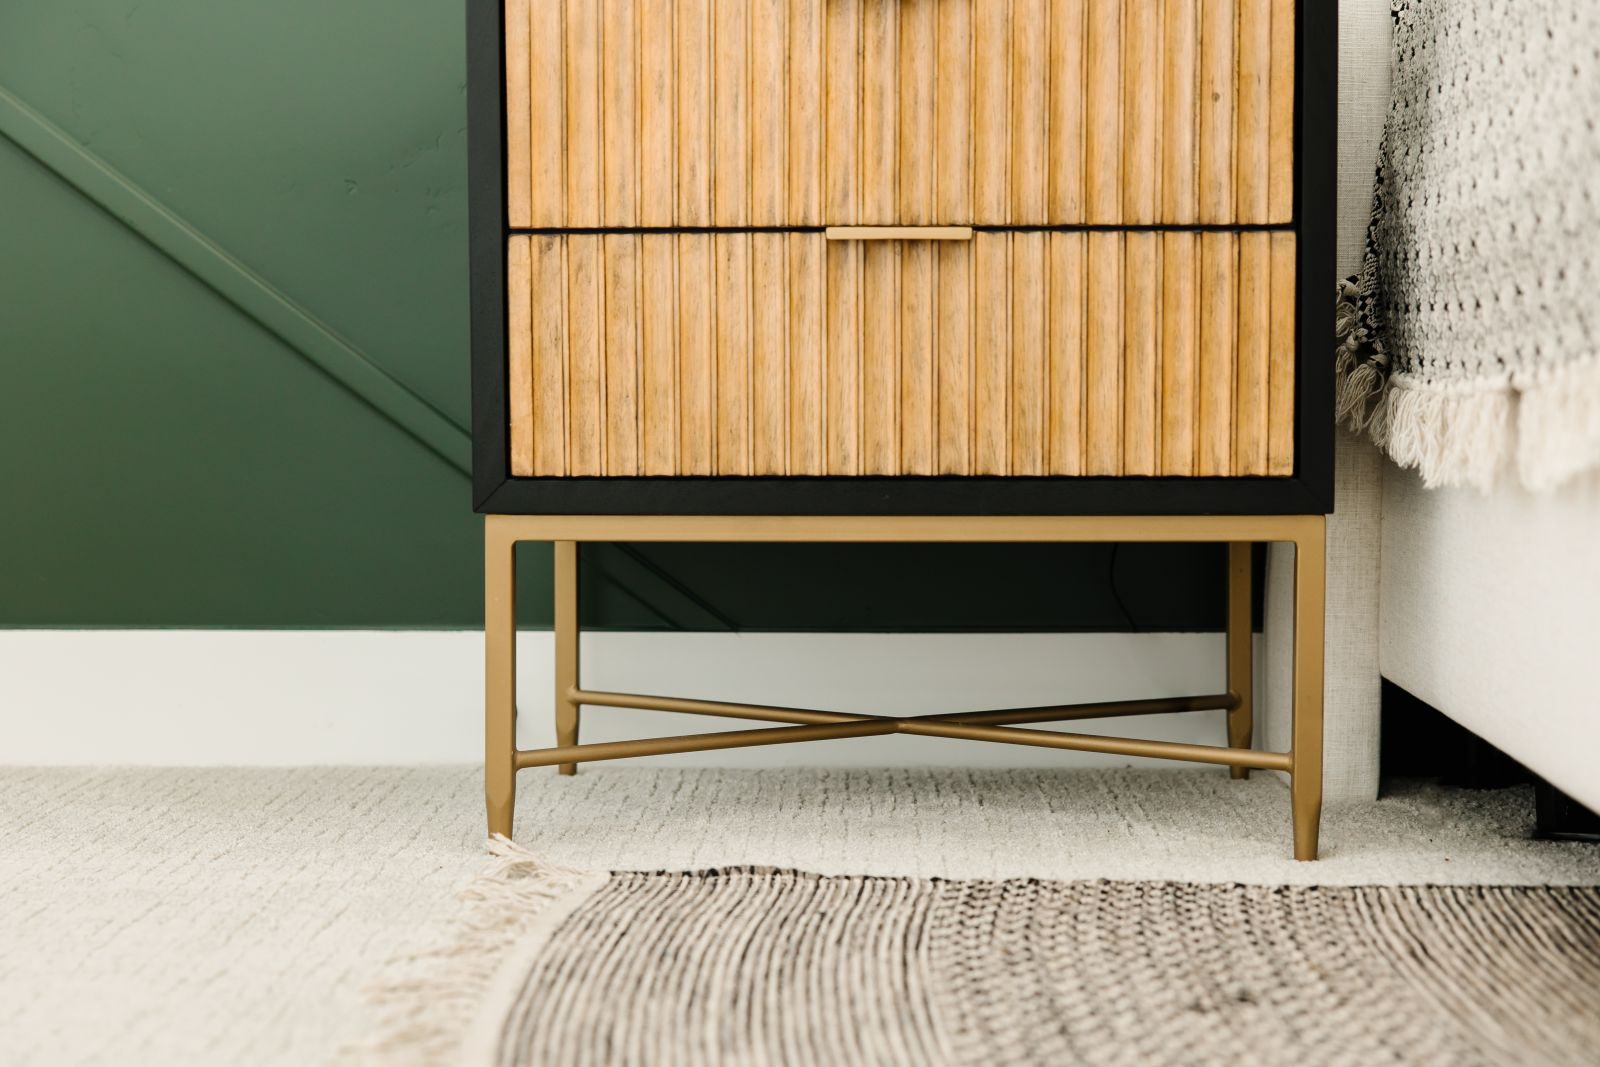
pixel 1303 762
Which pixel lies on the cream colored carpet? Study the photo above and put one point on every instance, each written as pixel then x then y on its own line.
pixel 234 917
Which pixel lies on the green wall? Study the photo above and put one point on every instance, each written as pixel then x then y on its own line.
pixel 233 356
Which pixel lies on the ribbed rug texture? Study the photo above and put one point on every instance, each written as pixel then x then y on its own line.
pixel 762 966
pixel 238 916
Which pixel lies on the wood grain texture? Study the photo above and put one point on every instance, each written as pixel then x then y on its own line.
pixel 1180 351
pixel 769 353
pixel 621 345
pixel 1141 387
pixel 880 343
pixel 953 339
pixel 1066 85
pixel 1018 353
pixel 1219 311
pixel 581 78
pixel 991 109
pixel 1103 108
pixel 769 112
pixel 1030 109
pixel 1218 28
pixel 1029 345
pixel 731 135
pixel 953 114
pixel 842 81
pixel 1068 293
pixel 697 368
pixel 548 321
pixel 733 316
pixel 918 319
pixel 1253 346
pixel 1253 120
pixel 807 342
pixel 880 112
pixel 519 139
pixel 658 356
pixel 1103 337
pixel 586 360
pixel 694 73
pixel 619 114
pixel 842 300
pixel 739 113
pixel 1141 110
pixel 1280 181
pixel 991 311
pixel 658 125
pixel 805 90
pixel 918 52
pixel 1180 164
pixel 548 121
pixel 519 353
pixel 1281 359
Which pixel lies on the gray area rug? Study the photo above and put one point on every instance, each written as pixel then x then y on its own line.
pixel 757 965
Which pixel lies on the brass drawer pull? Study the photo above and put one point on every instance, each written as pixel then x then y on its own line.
pixel 898 233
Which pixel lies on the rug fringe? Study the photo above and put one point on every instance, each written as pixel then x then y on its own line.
pixel 429 1005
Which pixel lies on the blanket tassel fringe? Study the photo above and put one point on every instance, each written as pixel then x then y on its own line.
pixel 1548 432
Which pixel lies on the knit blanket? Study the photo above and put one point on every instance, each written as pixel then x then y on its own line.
pixel 1469 344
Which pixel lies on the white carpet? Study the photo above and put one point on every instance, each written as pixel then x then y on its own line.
pixel 233 917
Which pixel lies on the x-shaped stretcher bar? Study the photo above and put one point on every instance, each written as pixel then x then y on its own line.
pixel 997 726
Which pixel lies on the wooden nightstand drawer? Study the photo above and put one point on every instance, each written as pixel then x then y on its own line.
pixel 792 113
pixel 1022 353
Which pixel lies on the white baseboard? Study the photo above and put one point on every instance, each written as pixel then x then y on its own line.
pixel 209 697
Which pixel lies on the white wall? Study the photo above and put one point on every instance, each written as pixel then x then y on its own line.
pixel 387 697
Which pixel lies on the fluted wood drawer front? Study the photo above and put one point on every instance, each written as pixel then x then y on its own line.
pixel 745 113
pixel 1015 353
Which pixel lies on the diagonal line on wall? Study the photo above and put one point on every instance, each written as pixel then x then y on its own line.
pixel 666 577
pixel 262 302
pixel 597 570
pixel 214 267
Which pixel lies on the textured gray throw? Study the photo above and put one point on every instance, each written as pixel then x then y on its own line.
pixel 1470 343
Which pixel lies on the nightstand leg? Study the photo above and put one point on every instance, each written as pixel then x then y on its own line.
pixel 499 675
pixel 1305 784
pixel 1240 660
pixel 566 560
